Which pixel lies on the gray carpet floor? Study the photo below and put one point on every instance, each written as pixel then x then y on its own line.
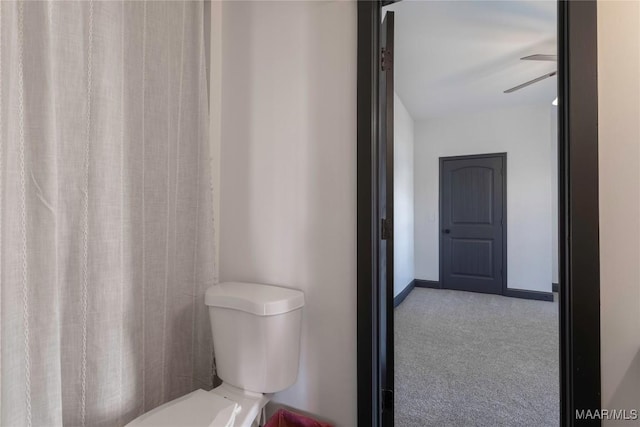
pixel 469 359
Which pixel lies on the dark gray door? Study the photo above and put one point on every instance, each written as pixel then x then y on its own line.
pixel 473 223
pixel 385 206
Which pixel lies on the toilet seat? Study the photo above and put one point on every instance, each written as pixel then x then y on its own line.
pixel 224 406
pixel 251 404
pixel 196 409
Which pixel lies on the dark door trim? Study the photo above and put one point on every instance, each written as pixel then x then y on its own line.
pixel 578 204
pixel 504 212
pixel 580 385
pixel 368 234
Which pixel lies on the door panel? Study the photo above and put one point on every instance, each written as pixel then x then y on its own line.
pixel 472 257
pixel 472 223
pixel 471 195
pixel 385 194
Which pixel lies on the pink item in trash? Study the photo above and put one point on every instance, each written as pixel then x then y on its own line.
pixel 284 418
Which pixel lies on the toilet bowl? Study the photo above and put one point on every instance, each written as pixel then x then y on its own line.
pixel 256 338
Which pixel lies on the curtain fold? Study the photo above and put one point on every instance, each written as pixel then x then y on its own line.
pixel 106 217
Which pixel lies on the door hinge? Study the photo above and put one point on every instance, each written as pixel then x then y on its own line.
pixel 386 59
pixel 386 229
pixel 387 400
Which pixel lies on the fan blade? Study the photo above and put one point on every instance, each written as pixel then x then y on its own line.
pixel 530 82
pixel 540 57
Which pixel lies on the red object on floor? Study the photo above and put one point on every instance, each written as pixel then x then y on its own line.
pixel 284 418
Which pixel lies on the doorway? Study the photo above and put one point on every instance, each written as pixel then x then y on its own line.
pixel 473 232
pixel 579 286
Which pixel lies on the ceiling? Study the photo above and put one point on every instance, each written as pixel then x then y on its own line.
pixel 460 56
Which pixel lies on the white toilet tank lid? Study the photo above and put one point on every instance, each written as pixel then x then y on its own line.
pixel 254 298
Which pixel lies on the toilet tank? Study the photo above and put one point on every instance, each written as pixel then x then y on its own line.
pixel 256 334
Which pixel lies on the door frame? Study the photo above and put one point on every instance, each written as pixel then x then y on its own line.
pixel 441 160
pixel 579 288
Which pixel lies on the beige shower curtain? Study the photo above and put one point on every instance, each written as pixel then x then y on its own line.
pixel 105 210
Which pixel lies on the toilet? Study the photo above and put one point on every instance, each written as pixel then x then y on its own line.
pixel 256 339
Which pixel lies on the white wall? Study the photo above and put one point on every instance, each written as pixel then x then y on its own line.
pixel 288 179
pixel 403 268
pixel 524 134
pixel 619 165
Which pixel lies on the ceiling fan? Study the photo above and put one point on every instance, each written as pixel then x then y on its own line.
pixel 536 57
